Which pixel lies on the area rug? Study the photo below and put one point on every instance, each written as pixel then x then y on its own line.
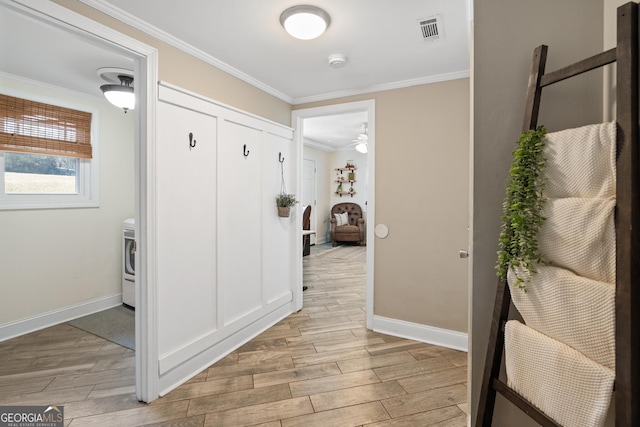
pixel 346 253
pixel 319 248
pixel 116 324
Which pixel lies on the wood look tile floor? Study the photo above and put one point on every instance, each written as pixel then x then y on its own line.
pixel 317 367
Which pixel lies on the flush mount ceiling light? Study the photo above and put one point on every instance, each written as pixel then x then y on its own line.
pixel 121 95
pixel 305 22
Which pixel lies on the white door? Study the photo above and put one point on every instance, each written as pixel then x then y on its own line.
pixel 309 176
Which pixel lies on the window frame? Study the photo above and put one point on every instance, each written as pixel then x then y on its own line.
pixel 88 195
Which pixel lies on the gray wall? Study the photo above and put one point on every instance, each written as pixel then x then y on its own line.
pixel 506 32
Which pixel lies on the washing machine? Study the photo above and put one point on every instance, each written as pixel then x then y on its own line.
pixel 129 262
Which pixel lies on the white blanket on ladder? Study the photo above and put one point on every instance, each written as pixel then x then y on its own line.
pixel 569 387
pixel 563 359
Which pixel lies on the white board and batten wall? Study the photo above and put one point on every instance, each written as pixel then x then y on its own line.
pixel 225 260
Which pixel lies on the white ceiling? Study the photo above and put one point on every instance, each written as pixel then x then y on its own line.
pixel 334 132
pixel 42 52
pixel 380 38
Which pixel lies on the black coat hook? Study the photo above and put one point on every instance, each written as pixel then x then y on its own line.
pixel 245 151
pixel 280 158
pixel 192 142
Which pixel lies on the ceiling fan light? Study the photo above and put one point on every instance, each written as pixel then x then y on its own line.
pixel 362 148
pixel 122 95
pixel 305 22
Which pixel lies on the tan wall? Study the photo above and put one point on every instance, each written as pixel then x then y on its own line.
pixel 505 35
pixel 422 169
pixel 188 72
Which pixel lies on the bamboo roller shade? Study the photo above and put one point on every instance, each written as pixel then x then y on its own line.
pixel 38 128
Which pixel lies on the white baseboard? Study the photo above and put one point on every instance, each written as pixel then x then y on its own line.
pixel 424 333
pixel 55 317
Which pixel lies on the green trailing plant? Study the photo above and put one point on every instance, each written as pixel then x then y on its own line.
pixel 285 200
pixel 522 210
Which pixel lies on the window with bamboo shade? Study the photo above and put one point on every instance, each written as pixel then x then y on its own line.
pixel 38 128
pixel 49 151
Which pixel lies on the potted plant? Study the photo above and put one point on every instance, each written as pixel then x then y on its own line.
pixel 284 202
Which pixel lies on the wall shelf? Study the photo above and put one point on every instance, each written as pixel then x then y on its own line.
pixel 349 179
pixel 346 169
pixel 345 193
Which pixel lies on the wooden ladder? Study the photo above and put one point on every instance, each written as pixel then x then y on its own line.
pixel 627 225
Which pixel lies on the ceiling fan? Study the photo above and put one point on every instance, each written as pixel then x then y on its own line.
pixel 362 140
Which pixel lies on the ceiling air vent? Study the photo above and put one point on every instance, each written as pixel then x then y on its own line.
pixel 430 28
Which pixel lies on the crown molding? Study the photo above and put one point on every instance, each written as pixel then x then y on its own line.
pixel 386 86
pixel 122 16
pixel 318 145
pixel 155 32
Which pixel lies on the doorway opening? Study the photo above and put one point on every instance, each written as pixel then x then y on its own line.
pixel 322 172
pixel 59 21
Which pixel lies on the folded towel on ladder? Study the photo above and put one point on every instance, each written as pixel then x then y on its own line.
pixel 569 387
